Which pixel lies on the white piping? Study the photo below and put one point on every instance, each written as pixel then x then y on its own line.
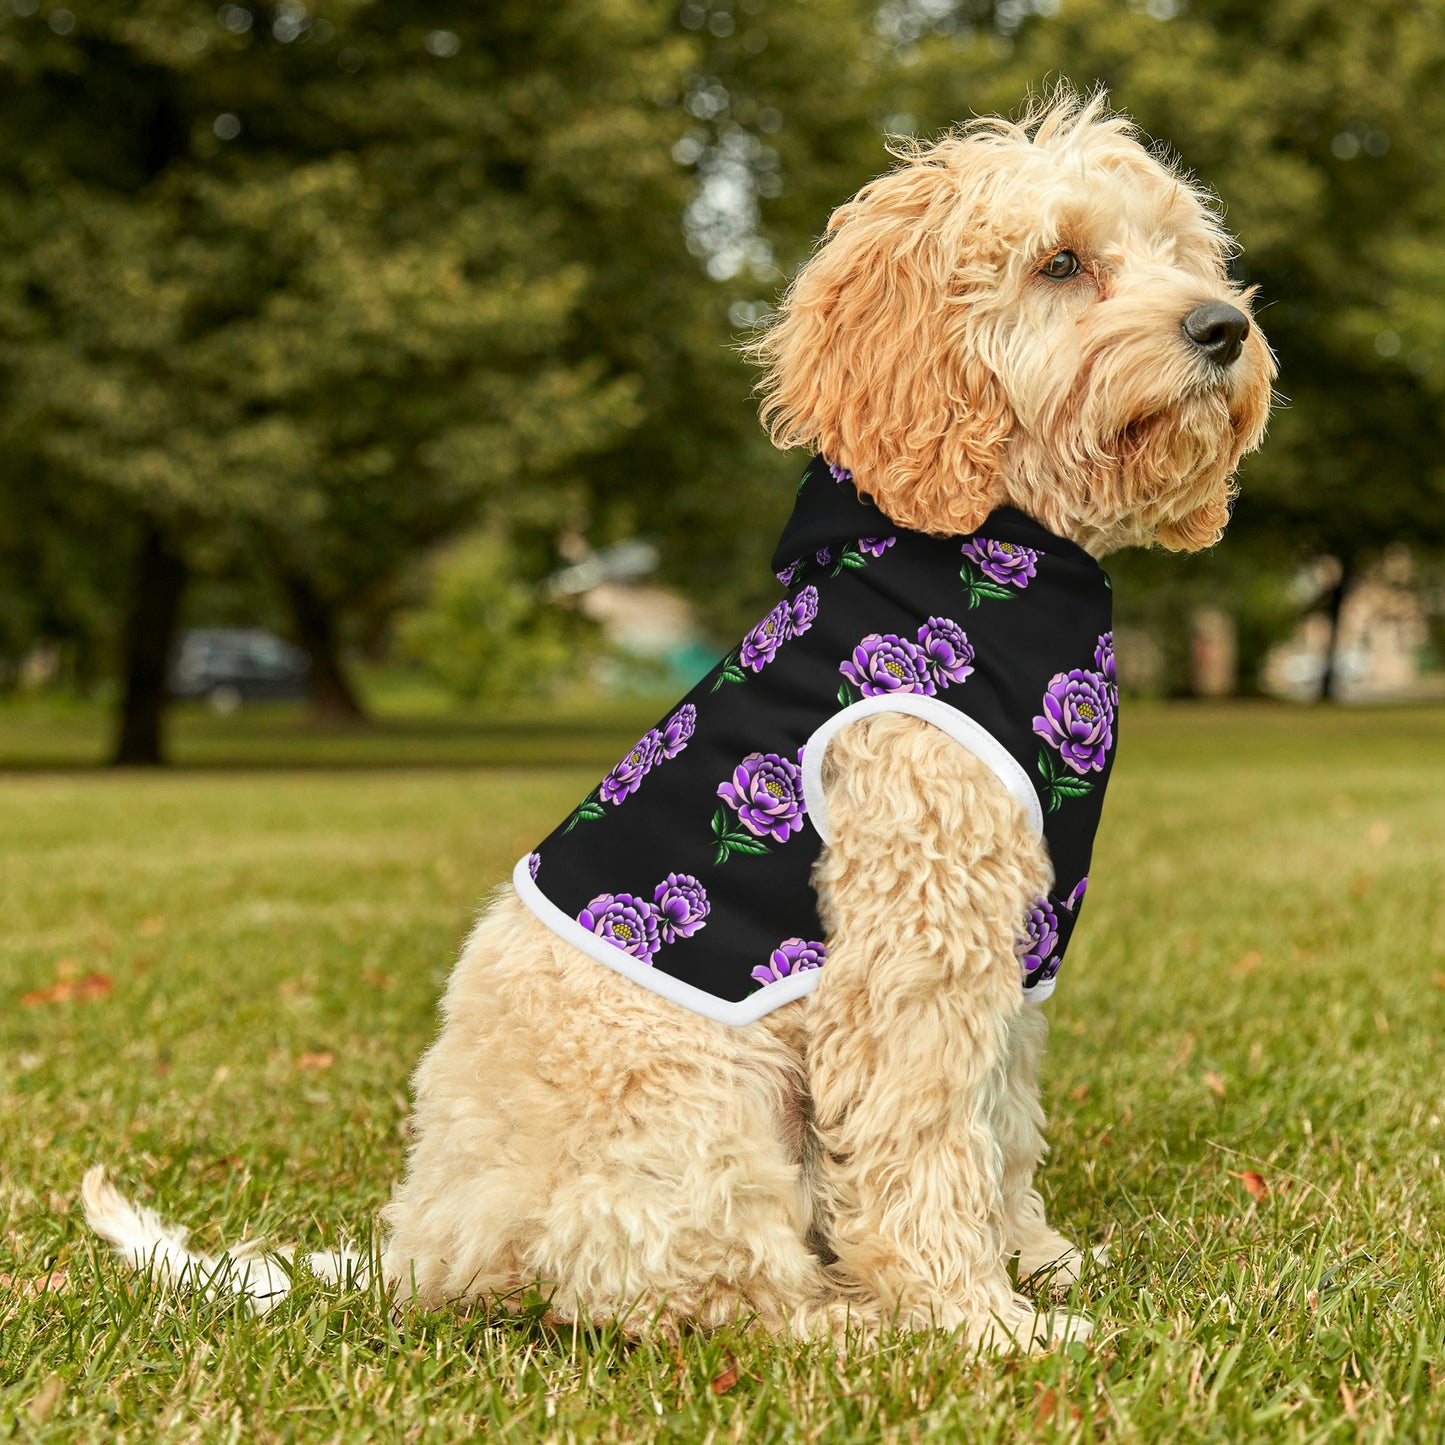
pixel 746 1011
pixel 959 726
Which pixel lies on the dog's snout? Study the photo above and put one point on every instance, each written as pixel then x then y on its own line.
pixel 1218 331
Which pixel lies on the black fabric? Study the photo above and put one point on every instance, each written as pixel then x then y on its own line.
pixel 693 856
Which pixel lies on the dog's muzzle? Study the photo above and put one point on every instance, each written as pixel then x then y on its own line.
pixel 1218 330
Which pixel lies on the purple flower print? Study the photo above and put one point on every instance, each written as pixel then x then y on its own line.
pixel 1077 896
pixel 1002 561
pixel 789 572
pixel 948 650
pixel 840 474
pixel 761 645
pixel 801 611
pixel 875 546
pixel 681 904
pixel 1104 657
pixel 792 955
pixel 1078 719
pixel 823 556
pixel 1104 664
pixel 534 862
pixel 1040 938
pixel 766 792
pixel 630 770
pixel 885 663
pixel 623 921
pixel 677 730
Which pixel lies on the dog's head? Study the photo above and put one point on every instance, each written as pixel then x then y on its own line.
pixel 1035 313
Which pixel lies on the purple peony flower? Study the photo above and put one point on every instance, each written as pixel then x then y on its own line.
pixel 887 663
pixel 761 645
pixel 792 955
pixel 1078 719
pixel 1104 663
pixel 1002 561
pixel 790 571
pixel 681 904
pixel 630 770
pixel 677 730
pixel 801 612
pixel 534 862
pixel 948 650
pixel 1077 896
pixel 1040 938
pixel 875 546
pixel 840 474
pixel 767 793
pixel 623 921
pixel 823 556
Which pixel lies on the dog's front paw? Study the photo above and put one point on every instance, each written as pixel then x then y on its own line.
pixel 1023 1326
pixel 1057 1266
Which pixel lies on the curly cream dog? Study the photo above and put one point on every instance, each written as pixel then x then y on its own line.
pixel 1000 320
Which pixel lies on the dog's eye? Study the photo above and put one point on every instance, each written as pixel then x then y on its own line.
pixel 1060 266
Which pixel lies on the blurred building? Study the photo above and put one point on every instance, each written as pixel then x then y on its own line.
pixel 1381 652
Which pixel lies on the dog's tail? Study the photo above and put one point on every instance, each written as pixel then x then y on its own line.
pixel 147 1243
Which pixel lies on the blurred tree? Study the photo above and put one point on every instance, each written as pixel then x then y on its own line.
pixel 305 283
pixel 485 633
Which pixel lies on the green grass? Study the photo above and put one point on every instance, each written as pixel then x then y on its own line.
pixel 1257 986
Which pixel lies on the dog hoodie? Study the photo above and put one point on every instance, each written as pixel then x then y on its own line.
pixel 688 867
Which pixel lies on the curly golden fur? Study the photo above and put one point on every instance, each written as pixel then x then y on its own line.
pixel 864 1156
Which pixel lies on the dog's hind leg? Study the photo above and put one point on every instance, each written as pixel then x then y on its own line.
pixel 1019 1128
pixel 578 1135
pixel 930 867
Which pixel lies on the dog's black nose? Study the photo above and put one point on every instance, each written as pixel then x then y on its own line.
pixel 1218 331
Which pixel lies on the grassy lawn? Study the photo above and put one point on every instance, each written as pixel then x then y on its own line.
pixel 216 981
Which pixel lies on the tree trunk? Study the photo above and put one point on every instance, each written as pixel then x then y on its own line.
pixel 150 631
pixel 1336 605
pixel 333 699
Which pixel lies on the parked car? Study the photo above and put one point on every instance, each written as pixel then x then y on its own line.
pixel 230 665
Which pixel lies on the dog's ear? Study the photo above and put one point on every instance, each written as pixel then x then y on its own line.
pixel 874 357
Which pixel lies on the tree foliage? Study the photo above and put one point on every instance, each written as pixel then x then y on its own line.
pixel 301 290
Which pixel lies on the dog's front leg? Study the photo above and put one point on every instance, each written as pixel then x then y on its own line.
pixel 922 889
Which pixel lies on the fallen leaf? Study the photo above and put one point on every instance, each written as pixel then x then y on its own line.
pixel 1254 1182
pixel 724 1382
pixel 377 979
pixel 1377 834
pixel 66 968
pixel 1103 1140
pixel 1080 1094
pixel 1359 886
pixel 56 1282
pixel 151 927
pixel 1440 980
pixel 82 990
pixel 1181 1054
pixel 45 1399
pixel 1214 1083
pixel 1248 963
pixel 1047 1407
pixel 320 1059
pixel 56 993
pixel 1347 1399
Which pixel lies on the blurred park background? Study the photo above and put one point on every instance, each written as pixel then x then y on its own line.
pixel 385 352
